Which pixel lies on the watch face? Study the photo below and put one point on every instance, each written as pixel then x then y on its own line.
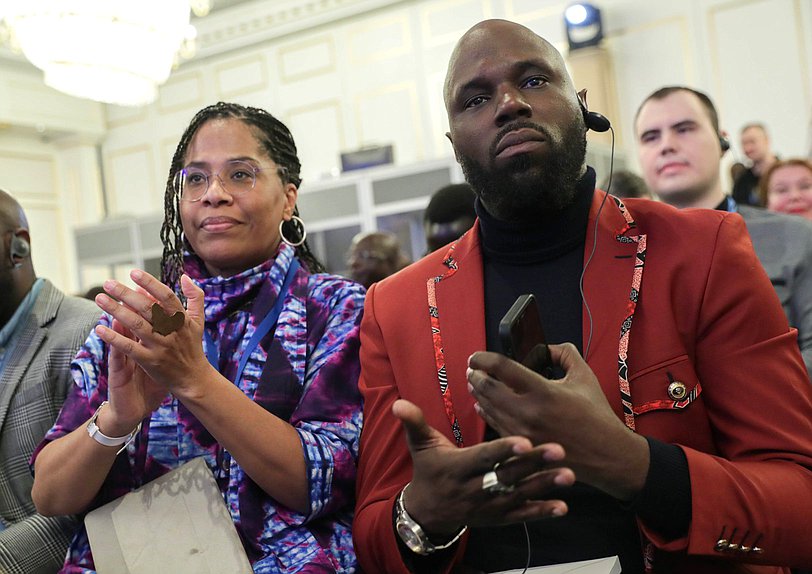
pixel 409 537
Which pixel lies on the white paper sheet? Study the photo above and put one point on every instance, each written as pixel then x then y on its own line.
pixel 610 565
pixel 177 523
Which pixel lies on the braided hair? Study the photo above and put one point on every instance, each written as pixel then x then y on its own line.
pixel 275 139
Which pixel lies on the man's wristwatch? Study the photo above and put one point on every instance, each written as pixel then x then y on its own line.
pixel 411 533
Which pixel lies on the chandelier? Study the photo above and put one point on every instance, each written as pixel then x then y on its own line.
pixel 112 51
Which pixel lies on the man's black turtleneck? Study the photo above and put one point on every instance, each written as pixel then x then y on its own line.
pixel 545 257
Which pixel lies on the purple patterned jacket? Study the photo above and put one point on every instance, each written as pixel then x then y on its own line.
pixel 306 372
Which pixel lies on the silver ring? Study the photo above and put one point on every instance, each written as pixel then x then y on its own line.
pixel 492 485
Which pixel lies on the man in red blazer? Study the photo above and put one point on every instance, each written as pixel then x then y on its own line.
pixel 681 441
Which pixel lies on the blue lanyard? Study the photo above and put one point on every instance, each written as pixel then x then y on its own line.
pixel 268 323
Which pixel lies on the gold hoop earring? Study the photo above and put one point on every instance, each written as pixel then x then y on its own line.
pixel 299 226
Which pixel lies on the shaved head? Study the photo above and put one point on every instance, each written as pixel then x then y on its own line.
pixel 481 35
pixel 16 270
pixel 12 215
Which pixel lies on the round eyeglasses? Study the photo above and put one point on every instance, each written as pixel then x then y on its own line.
pixel 236 177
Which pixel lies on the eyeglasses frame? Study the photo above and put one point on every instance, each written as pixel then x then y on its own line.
pixel 281 171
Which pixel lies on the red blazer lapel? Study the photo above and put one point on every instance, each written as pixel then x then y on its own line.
pixel 607 289
pixel 461 310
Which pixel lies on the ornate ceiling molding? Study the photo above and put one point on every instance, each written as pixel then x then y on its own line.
pixel 255 22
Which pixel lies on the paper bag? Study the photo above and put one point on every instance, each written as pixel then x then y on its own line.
pixel 177 523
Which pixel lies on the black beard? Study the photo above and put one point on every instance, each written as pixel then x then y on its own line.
pixel 525 188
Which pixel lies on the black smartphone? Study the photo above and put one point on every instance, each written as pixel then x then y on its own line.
pixel 522 337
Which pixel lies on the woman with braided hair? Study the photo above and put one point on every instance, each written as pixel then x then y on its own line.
pixel 258 374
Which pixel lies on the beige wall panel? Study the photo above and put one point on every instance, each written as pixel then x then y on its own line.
pixel 137 133
pixel 77 163
pixel 381 38
pixel 167 149
pixel 123 115
pixel 805 24
pixel 242 76
pixel 82 201
pixel 534 10
pixel 391 115
pixel 442 25
pixel 544 18
pixel 73 202
pixel 93 275
pixel 319 135
pixel 621 15
pixel 182 91
pixel 262 99
pixel 156 134
pixel 27 102
pixel 639 72
pixel 376 54
pixel 302 60
pixel 445 22
pixel 751 82
pixel 437 116
pixel 13 140
pixel 592 70
pixel 311 91
pixel 133 188
pixel 49 250
pixel 28 175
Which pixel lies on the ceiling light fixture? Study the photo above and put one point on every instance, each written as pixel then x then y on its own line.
pixel 112 51
pixel 583 24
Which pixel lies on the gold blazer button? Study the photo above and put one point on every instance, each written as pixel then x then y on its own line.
pixel 677 390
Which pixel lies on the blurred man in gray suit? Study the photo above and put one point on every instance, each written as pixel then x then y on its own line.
pixel 680 148
pixel 41 329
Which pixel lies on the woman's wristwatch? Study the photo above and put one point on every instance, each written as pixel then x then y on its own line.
pixel 101 438
pixel 412 534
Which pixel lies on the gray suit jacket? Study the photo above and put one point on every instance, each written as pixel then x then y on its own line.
pixel 32 388
pixel 783 244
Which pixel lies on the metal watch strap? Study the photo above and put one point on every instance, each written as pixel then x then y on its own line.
pixel 96 434
pixel 420 544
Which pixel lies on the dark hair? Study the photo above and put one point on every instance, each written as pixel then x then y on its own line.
pixel 386 243
pixel 93 291
pixel 276 140
pixel 627 184
pixel 451 202
pixel 663 93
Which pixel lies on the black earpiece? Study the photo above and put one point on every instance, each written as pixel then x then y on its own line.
pixel 724 143
pixel 20 249
pixel 593 120
pixel 596 122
